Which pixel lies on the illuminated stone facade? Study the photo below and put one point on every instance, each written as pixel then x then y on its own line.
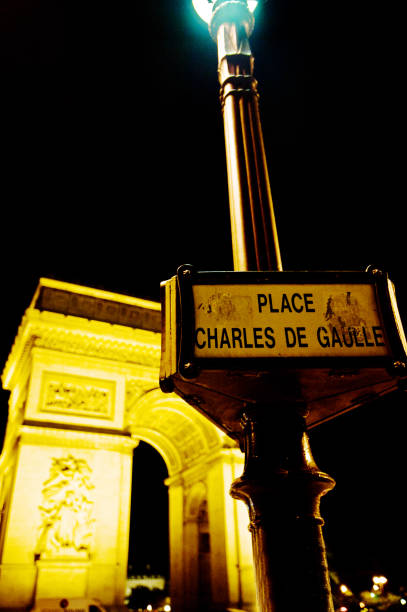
pixel 83 382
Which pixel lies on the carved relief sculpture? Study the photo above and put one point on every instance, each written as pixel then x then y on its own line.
pixel 64 396
pixel 66 509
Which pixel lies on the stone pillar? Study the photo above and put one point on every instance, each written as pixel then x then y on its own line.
pixel 176 535
pixel 67 526
pixel 210 544
pixel 67 462
pixel 231 551
pixel 197 547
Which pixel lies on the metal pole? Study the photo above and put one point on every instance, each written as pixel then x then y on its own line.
pixel 254 231
pixel 281 483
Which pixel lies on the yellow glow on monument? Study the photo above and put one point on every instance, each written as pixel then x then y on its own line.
pixel 83 393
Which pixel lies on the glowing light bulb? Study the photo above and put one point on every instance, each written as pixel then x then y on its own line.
pixel 204 8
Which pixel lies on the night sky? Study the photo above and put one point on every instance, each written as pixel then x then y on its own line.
pixel 113 174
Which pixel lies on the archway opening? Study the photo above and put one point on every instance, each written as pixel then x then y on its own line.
pixel 148 562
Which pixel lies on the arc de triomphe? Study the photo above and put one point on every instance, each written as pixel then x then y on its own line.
pixel 83 381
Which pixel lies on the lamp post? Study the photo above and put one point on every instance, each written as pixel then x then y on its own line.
pixel 253 225
pixel 281 483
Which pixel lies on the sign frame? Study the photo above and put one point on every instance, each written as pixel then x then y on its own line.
pixel 189 365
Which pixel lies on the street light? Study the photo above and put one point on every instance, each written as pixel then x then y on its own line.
pixel 254 231
pixel 345 590
pixel 379 583
pixel 281 483
pixel 229 351
pixel 379 580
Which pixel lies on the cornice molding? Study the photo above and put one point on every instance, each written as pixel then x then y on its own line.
pixel 49 436
pixel 78 336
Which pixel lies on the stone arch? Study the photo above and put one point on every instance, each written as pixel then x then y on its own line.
pixel 198 457
pixel 188 443
pixel 179 433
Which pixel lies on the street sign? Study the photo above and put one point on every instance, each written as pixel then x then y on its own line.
pixel 287 320
pixel 283 337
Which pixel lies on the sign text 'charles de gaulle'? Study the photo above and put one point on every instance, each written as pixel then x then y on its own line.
pixel 311 320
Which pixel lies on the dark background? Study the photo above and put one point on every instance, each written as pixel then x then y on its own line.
pixel 113 174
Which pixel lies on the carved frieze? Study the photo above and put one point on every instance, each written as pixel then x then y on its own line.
pixel 100 309
pixel 77 395
pixel 97 345
pixel 64 396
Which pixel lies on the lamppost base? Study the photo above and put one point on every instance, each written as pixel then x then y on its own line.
pixel 282 487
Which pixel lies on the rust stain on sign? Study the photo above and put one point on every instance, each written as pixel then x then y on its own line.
pixel 224 306
pixel 344 312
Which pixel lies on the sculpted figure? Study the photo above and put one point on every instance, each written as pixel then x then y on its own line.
pixel 66 508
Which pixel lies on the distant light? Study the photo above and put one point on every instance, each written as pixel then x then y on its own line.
pixel 379 579
pixel 343 609
pixel 362 605
pixel 403 601
pixel 373 594
pixel 167 608
pixel 204 8
pixel 344 589
pixel 376 587
pixel 149 607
